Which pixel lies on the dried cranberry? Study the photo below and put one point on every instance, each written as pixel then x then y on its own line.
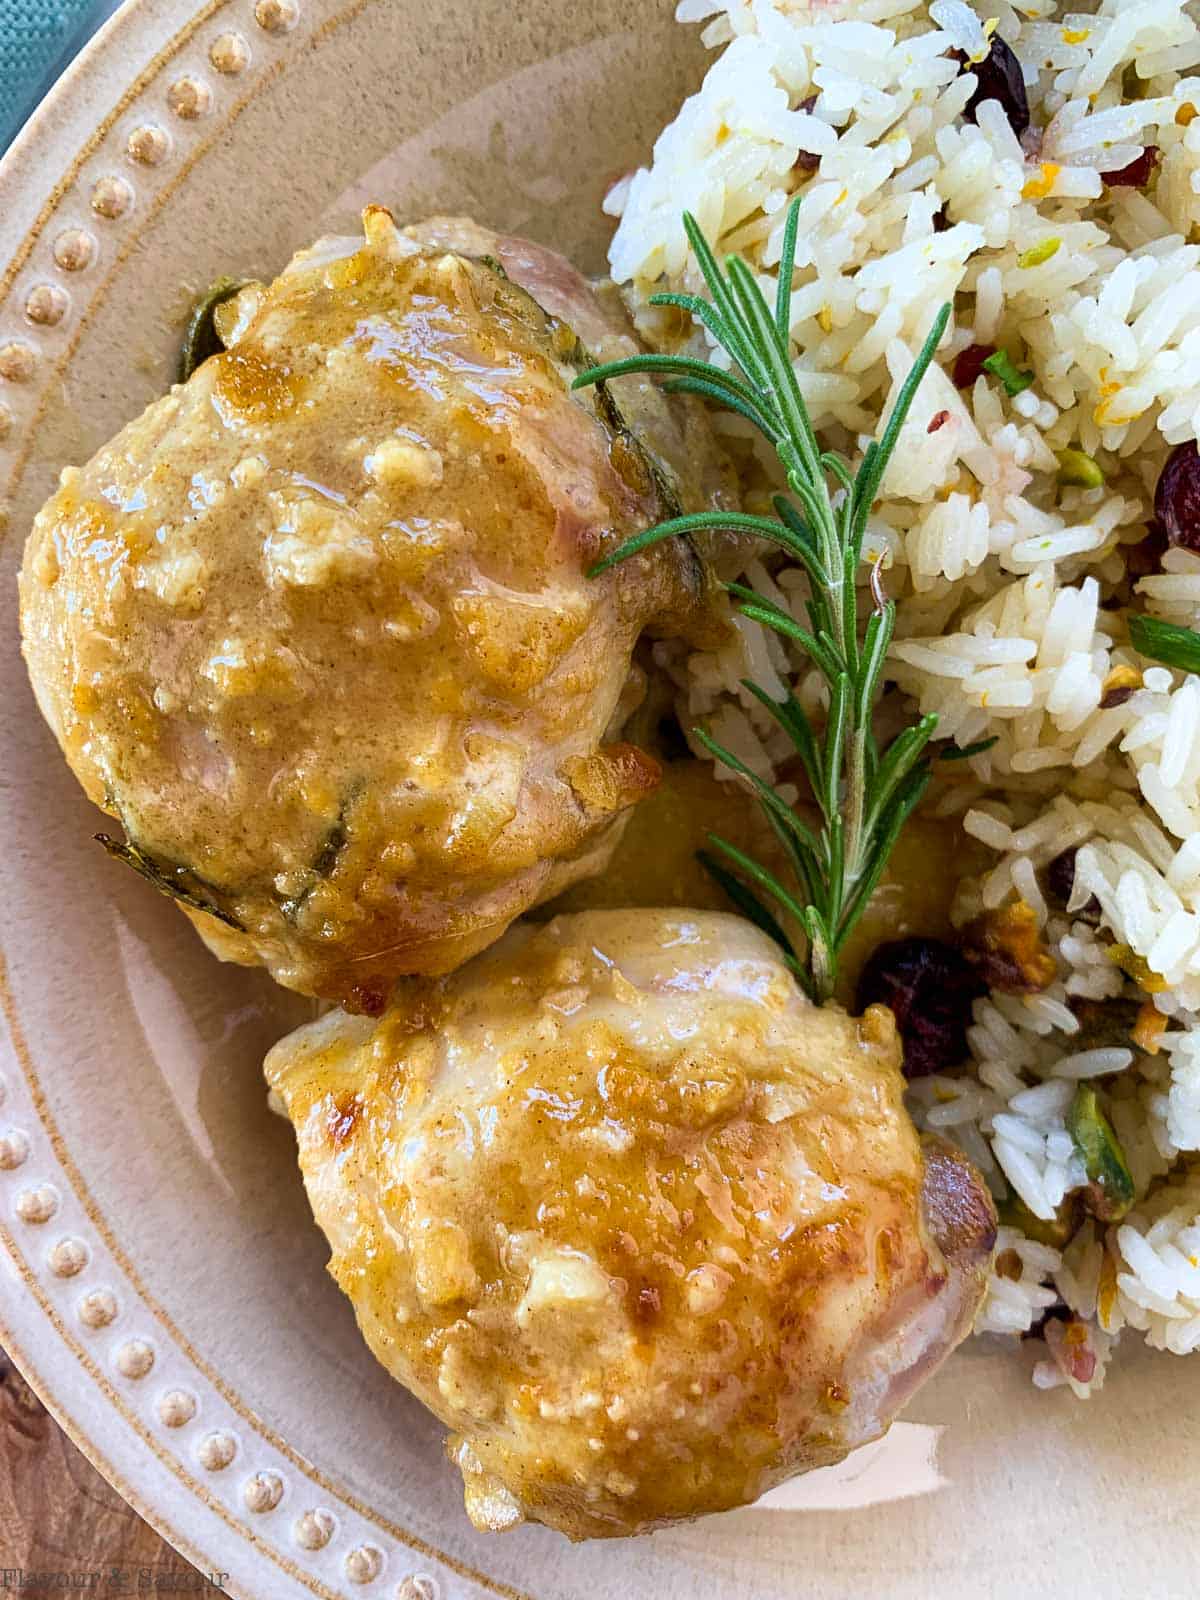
pixel 929 987
pixel 1145 557
pixel 1137 174
pixel 968 364
pixel 807 160
pixel 998 77
pixel 1060 876
pixel 1177 497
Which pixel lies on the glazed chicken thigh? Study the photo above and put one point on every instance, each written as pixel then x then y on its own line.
pixel 646 1229
pixel 317 627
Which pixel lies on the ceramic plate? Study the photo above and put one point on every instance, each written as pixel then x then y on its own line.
pixel 161 1283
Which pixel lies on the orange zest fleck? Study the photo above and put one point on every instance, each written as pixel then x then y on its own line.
pixel 1107 390
pixel 1038 188
pixel 1007 949
pixel 1137 967
pixel 1120 679
pixel 1149 1028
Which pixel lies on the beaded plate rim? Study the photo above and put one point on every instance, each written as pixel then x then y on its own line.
pixel 188 1453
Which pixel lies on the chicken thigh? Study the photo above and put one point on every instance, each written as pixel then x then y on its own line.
pixel 317 627
pixel 644 1227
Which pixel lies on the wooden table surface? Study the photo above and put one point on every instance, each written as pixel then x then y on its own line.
pixel 58 1515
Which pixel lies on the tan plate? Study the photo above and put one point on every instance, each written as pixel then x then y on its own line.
pixel 160 1282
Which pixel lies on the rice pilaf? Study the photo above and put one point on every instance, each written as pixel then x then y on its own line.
pixel 1016 531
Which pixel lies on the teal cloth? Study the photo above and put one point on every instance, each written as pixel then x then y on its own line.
pixel 37 39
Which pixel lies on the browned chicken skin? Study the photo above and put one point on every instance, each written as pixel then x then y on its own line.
pixel 647 1230
pixel 317 627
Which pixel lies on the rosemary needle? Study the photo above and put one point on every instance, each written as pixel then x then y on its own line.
pixel 864 794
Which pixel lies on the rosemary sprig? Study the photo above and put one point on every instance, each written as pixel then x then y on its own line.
pixel 864 794
pixel 1168 642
